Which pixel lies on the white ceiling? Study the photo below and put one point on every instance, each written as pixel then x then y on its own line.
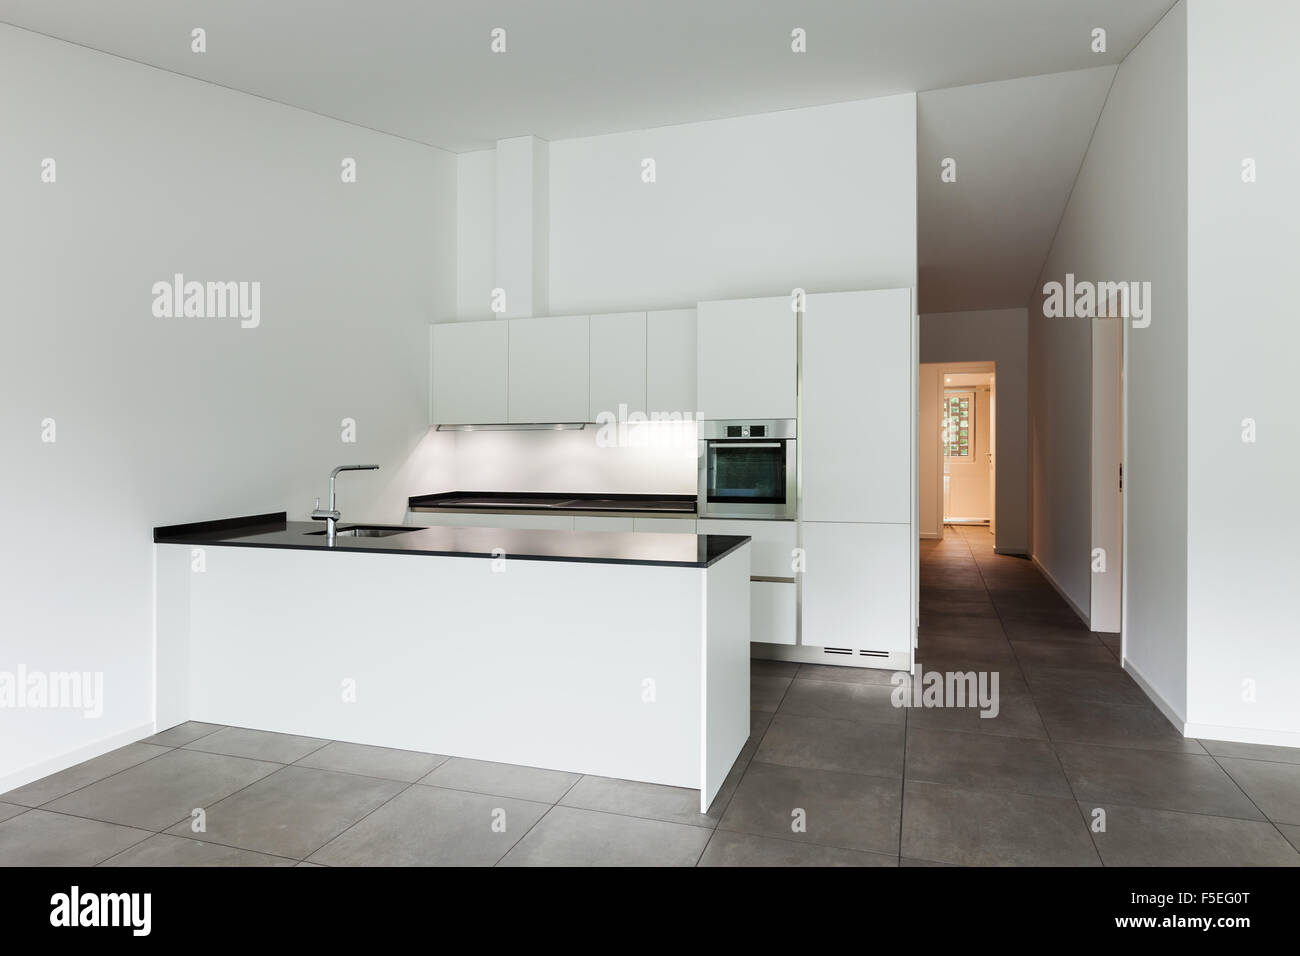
pixel 422 68
pixel 1015 87
pixel 1018 145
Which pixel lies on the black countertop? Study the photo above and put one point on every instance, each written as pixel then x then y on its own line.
pixel 590 547
pixel 481 501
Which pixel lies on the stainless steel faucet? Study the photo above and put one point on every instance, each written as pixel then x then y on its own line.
pixel 331 514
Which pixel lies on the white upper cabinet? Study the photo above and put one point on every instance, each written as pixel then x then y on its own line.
pixel 548 376
pixel 855 437
pixel 618 363
pixel 670 362
pixel 469 372
pixel 747 359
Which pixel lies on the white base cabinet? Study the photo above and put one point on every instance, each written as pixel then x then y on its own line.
pixel 665 525
pixel 773 612
pixel 857 589
pixel 460 519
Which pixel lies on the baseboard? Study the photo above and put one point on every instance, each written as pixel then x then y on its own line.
pixel 930 536
pixel 1011 552
pixel 1243 735
pixel 70 758
pixel 1083 616
pixel 1171 713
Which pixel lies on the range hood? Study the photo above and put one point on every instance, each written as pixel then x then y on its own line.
pixel 520 427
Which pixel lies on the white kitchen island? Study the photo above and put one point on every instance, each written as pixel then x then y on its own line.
pixel 617 654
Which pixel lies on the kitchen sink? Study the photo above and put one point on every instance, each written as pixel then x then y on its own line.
pixel 367 531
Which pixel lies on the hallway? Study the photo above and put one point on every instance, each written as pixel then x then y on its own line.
pixel 1074 735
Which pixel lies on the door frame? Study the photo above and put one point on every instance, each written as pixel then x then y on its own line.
pixel 988 366
pixel 1108 433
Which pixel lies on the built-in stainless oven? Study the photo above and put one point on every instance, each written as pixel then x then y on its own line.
pixel 747 469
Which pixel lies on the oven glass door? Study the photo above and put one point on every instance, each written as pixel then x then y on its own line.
pixel 746 473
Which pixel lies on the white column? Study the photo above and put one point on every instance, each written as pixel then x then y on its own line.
pixel 522 225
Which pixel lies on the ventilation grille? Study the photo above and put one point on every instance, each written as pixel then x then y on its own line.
pixel 874 653
pixel 837 650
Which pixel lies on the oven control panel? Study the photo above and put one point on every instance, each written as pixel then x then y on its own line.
pixel 746 431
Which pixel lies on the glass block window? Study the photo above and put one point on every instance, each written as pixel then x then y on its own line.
pixel 959 424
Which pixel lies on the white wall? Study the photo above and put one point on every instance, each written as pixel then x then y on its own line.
pixel 171 420
pixel 475 229
pixel 1243 343
pixel 998 336
pixel 822 198
pixel 1126 220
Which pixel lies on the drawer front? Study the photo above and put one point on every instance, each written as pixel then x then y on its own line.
pixel 772 546
pixel 476 520
pixel 772 611
pixel 597 523
pixel 665 525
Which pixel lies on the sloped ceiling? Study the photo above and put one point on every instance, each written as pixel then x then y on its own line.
pixel 1017 146
pixel 422 69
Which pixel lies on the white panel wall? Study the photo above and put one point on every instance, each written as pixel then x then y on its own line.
pixel 475 227
pixel 822 198
pixel 1243 342
pixel 169 420
pixel 1126 220
pixel 658 458
pixel 999 336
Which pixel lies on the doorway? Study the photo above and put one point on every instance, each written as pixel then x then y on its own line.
pixel 1106 611
pixel 958 454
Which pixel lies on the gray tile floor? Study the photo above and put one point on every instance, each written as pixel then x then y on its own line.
pixel 833 775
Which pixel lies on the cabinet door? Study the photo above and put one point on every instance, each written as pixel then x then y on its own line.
pixel 461 519
pixel 670 362
pixel 602 523
pixel 771 551
pixel 618 363
pixel 747 355
pixel 857 589
pixel 469 372
pixel 855 438
pixel 548 369
pixel 665 525
pixel 772 610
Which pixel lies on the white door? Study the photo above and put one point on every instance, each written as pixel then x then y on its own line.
pixel 549 369
pixel 855 439
pixel 747 357
pixel 618 364
pixel 857 586
pixel 993 455
pixel 469 371
pixel 965 467
pixel 1107 464
pixel 670 362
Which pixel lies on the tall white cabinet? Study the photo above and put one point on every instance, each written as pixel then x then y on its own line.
pixel 858 474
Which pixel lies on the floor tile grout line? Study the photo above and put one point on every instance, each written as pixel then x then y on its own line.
pixel 831 846
pixel 814 843
pixel 524 835
pixel 357 821
pixel 46 804
pixel 902 784
pixel 1051 743
pixel 1268 818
